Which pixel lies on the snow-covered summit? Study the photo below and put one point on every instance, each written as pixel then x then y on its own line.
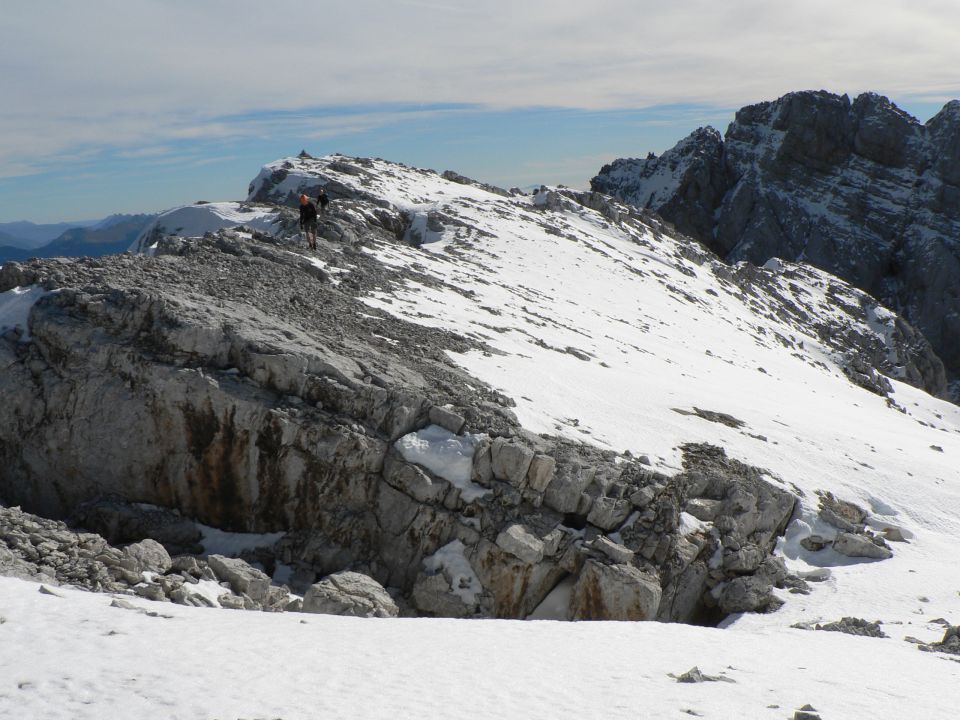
pixel 195 220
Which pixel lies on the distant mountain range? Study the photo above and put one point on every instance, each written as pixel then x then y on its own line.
pixel 25 234
pixel 22 240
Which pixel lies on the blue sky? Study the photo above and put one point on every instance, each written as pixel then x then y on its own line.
pixel 154 105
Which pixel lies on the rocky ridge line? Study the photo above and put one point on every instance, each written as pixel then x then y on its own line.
pixel 265 396
pixel 858 188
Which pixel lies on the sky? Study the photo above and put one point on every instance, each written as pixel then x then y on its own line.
pixel 133 106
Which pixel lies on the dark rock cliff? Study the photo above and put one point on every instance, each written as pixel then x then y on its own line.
pixel 859 189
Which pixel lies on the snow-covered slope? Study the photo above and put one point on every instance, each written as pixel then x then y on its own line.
pixel 858 188
pixel 600 333
pixel 195 220
pixel 605 330
pixel 74 657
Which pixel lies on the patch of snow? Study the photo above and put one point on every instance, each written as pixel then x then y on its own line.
pixel 231 544
pixel 690 524
pixel 453 562
pixel 195 220
pixel 208 589
pixel 445 454
pixel 87 661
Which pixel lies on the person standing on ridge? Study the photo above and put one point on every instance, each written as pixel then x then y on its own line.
pixel 323 200
pixel 308 221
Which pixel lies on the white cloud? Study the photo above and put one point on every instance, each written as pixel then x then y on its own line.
pixel 124 73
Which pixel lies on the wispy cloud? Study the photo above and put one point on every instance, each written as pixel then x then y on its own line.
pixel 169 71
pixel 161 75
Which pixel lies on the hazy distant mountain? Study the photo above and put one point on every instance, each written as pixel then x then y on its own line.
pixel 25 234
pixel 110 235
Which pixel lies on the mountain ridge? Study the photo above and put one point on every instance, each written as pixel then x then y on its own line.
pixel 112 234
pixel 550 390
pixel 858 188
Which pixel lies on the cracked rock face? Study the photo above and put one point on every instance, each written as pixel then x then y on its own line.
pixel 858 188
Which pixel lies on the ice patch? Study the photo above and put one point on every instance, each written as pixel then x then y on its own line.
pixel 463 580
pixel 556 605
pixel 689 524
pixel 444 454
pixel 218 542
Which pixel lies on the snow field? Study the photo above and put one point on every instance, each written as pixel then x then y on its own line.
pixel 88 660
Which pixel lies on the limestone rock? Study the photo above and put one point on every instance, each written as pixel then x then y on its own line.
pixel 244 579
pixel 521 543
pixel 446 419
pixel 843 515
pixel 609 513
pixel 540 472
pixel 433 594
pixel 614 551
pixel 748 594
pixel 807 712
pixel 854 626
pixel 704 508
pixel 510 461
pixel 146 556
pixel 814 543
pixel 853 545
pixel 120 521
pixel 412 480
pixel 614 592
pixel 349 593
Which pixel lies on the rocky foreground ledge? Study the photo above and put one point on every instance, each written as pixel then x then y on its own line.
pixel 244 385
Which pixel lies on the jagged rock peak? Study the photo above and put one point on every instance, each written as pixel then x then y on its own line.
pixel 858 188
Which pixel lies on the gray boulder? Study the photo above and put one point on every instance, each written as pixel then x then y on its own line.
pixel 447 419
pixel 609 513
pixel 748 594
pixel 854 545
pixel 349 593
pixel 540 472
pixel 614 592
pixel 521 543
pixel 146 556
pixel 614 551
pixel 510 461
pixel 842 514
pixel 243 579
pixel 433 594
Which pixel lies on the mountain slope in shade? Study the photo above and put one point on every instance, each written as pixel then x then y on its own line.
pixel 858 188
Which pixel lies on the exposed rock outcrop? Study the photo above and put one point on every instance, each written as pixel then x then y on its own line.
pixel 229 380
pixel 349 593
pixel 860 189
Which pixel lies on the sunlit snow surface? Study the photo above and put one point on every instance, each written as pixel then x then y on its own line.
pixel 597 334
pixel 76 658
pixel 195 220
